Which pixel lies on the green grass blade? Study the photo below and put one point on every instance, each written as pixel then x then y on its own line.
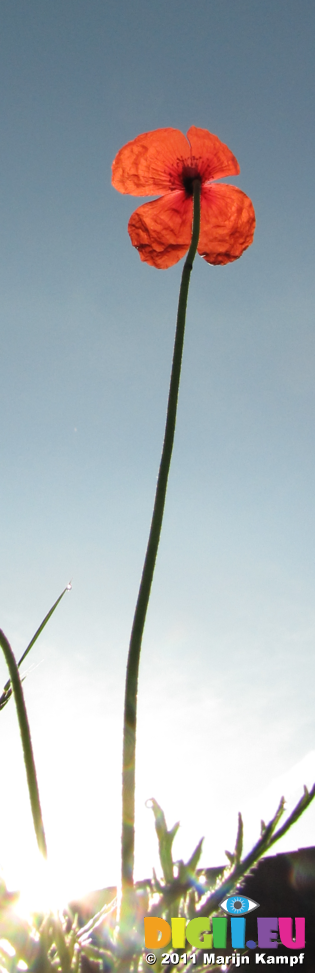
pixel 7 690
pixel 26 743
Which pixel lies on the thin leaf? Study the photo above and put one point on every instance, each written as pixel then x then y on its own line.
pixel 26 743
pixel 301 806
pixel 7 690
pixel 165 839
pixel 239 839
pixel 61 943
pixel 97 919
pixel 194 859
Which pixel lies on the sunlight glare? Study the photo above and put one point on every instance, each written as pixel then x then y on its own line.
pixel 43 891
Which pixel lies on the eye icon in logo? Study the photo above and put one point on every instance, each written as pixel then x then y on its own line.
pixel 238 905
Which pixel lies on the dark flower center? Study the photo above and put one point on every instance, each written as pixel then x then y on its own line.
pixel 188 177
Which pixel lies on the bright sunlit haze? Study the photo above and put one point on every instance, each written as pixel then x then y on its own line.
pixel 226 699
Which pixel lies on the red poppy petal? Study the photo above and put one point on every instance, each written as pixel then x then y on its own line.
pixel 214 157
pixel 161 230
pixel 142 167
pixel 227 223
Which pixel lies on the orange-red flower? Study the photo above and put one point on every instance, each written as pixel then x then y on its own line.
pixel 165 162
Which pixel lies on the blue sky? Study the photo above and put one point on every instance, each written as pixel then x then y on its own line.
pixel 226 687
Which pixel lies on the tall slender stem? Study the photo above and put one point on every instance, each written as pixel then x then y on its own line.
pixel 26 743
pixel 130 713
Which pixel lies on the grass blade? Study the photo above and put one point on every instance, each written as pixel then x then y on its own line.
pixel 26 743
pixel 7 689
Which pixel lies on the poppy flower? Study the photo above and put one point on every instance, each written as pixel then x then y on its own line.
pixel 165 163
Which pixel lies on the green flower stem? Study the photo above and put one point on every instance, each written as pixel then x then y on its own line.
pixel 130 713
pixel 26 743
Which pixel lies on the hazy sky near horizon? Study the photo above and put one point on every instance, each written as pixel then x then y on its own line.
pixel 226 699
